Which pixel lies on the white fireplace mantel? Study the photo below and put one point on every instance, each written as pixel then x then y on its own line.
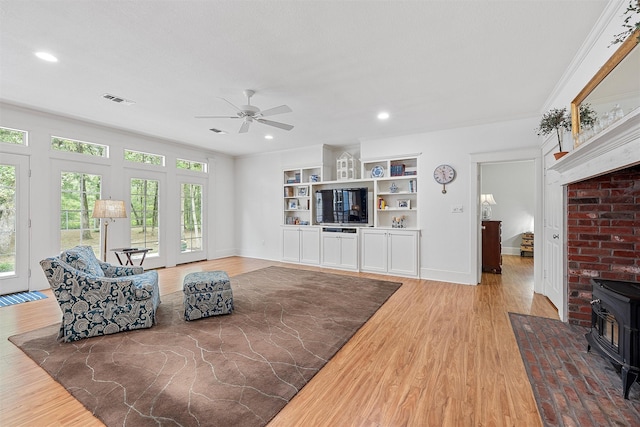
pixel 615 148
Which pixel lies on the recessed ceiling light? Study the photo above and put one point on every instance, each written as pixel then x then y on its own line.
pixel 383 115
pixel 46 56
pixel 268 137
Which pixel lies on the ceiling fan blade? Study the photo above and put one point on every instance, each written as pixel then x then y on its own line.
pixel 276 110
pixel 276 124
pixel 245 127
pixel 217 117
pixel 234 107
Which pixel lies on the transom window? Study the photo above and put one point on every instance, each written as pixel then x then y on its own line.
pixel 13 136
pixel 82 147
pixel 140 157
pixel 191 165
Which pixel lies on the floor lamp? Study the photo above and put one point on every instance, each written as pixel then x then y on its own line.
pixel 487 200
pixel 107 210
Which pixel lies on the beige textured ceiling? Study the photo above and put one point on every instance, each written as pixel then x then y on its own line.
pixel 432 64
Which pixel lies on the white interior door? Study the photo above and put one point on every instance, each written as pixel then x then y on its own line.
pixel 554 280
pixel 14 223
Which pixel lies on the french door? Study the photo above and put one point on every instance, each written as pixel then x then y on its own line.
pixel 193 245
pixel 147 215
pixel 14 223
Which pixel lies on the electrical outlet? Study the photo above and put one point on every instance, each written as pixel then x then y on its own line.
pixel 456 209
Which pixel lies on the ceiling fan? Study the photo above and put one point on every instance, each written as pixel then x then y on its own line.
pixel 250 113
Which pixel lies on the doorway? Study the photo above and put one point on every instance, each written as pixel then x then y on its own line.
pixel 506 185
pixel 507 211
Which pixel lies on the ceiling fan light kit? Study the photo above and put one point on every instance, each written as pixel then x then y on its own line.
pixel 250 113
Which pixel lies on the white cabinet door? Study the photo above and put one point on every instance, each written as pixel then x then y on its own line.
pixel 291 244
pixel 392 251
pixel 402 252
pixel 330 249
pixel 349 251
pixel 374 251
pixel 310 245
pixel 340 250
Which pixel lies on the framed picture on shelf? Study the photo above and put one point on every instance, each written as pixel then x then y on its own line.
pixel 293 204
pixel 404 204
pixel 302 191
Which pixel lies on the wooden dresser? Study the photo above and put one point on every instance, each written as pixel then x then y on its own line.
pixel 492 246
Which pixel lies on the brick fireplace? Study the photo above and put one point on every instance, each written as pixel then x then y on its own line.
pixel 603 236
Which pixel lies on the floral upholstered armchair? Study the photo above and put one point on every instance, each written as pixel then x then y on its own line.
pixel 98 298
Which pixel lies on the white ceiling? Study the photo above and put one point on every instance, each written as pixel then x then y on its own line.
pixel 432 64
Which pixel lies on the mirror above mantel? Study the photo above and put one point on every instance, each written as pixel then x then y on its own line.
pixel 613 93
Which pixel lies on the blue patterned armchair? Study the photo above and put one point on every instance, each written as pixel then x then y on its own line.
pixel 98 298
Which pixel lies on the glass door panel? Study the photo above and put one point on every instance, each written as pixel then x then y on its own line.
pixel 14 224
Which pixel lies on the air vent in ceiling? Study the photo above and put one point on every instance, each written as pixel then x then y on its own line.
pixel 217 131
pixel 118 99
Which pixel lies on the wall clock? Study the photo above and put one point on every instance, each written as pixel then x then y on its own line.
pixel 444 174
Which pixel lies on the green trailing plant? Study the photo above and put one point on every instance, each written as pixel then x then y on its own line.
pixel 555 120
pixel 633 13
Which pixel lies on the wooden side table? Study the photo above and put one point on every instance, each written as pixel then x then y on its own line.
pixel 127 252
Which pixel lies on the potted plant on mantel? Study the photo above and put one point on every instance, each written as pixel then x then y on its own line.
pixel 555 120
pixel 559 120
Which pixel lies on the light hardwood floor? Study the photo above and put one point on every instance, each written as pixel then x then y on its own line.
pixel 436 354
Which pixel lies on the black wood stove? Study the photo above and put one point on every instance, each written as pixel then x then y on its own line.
pixel 615 324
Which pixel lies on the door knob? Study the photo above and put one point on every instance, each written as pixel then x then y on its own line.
pixel 555 236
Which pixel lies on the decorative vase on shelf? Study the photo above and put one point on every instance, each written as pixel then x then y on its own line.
pixel 393 188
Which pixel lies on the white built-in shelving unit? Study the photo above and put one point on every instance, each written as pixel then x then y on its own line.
pixel 396 191
pixel 297 191
pixel 388 244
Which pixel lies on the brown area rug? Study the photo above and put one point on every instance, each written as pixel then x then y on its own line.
pixel 572 387
pixel 233 370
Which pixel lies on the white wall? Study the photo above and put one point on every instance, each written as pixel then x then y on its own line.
pixel 258 208
pixel 446 237
pixel 513 187
pixel 593 54
pixel 45 181
pixel 445 241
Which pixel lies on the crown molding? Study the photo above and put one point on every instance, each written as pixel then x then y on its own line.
pixel 611 11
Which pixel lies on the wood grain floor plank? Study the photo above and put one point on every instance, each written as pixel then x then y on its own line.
pixel 436 354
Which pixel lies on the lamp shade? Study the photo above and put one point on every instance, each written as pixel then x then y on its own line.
pixel 487 198
pixel 107 208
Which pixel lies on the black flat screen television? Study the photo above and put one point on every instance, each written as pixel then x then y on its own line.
pixel 342 206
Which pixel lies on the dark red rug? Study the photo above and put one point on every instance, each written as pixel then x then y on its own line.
pixel 232 370
pixel 572 387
